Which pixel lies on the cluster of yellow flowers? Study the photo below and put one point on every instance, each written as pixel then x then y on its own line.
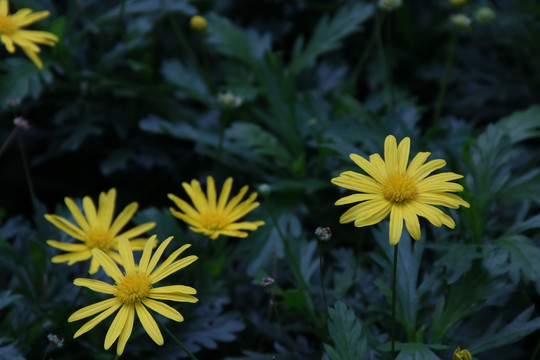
pixel 394 186
pixel 100 239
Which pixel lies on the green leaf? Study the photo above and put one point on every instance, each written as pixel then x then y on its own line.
pixel 329 33
pixel 515 331
pixel 9 351
pixel 522 125
pixel 524 255
pixel 248 47
pixel 465 297
pixel 416 351
pixel 347 333
pixel 187 81
pixel 457 260
pixel 6 298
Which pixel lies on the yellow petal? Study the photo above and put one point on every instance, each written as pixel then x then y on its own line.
pixel 396 224
pixel 108 265
pixel 67 246
pixel 403 154
pixel 376 215
pixel 90 310
pixel 72 258
pixel 412 223
pixel 171 258
pixel 126 254
pixel 357 197
pixel 147 253
pixel 117 325
pixel 235 200
pixel 163 309
pixel 391 154
pixel 358 182
pixel 66 226
pixel 444 199
pixel 174 267
pixel 123 218
pixel 363 210
pixel 90 212
pixel 106 208
pixel 224 196
pixel 126 331
pixel 92 323
pixel 174 297
pixel 182 289
pixel 95 285
pixel 149 324
pixel 77 214
pixel 157 255
pixel 4 7
pixel 416 162
pixel 211 193
pixel 368 167
pixel 427 169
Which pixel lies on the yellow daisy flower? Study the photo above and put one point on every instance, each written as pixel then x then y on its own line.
pixel 133 292
pixel 10 31
pixel 214 218
pixel 95 230
pixel 403 191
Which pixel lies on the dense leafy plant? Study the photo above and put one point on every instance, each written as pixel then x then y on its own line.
pixel 277 95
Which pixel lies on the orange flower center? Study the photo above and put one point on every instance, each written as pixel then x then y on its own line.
pixel 134 287
pixel 212 220
pixel 7 27
pixel 98 239
pixel 398 188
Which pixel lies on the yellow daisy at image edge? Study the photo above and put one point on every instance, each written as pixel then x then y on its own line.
pixel 11 32
pixel 134 292
pixel 96 230
pixel 399 188
pixel 212 216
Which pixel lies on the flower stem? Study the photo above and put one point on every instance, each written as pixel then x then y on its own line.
pixel 393 329
pixel 27 174
pixel 444 81
pixel 322 278
pixel 389 94
pixel 191 356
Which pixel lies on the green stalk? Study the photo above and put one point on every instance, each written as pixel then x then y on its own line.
pixel 444 81
pixel 393 329
pixel 191 356
pixel 384 64
pixel 322 278
pixel 27 173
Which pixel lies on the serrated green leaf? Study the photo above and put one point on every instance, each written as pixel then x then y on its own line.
pixel 458 260
pixel 347 333
pixel 524 254
pixel 248 47
pixel 187 80
pixel 329 33
pixel 515 331
pixel 465 297
pixel 522 125
pixel 416 351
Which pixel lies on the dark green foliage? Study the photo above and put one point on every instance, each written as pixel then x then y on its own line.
pixel 132 98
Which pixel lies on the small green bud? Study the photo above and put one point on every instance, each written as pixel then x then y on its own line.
pixel 323 233
pixel 484 15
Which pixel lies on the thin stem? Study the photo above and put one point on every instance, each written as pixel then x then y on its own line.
pixel 393 329
pixel 285 338
pixel 536 350
pixel 363 58
pixel 382 61
pixel 8 140
pixel 191 55
pixel 191 356
pixel 27 173
pixel 444 81
pixel 322 278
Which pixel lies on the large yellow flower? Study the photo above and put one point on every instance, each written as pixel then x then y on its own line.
pixel 10 31
pixel 216 217
pixel 403 191
pixel 95 230
pixel 133 292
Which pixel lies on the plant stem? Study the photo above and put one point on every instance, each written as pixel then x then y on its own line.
pixel 191 356
pixel 444 81
pixel 322 278
pixel 384 64
pixel 393 329
pixel 8 140
pixel 27 174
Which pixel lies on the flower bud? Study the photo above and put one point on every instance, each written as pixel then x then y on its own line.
pixel 267 281
pixel 389 5
pixel 198 23
pixel 229 99
pixel 461 21
pixel 462 354
pixel 457 2
pixel 264 189
pixel 323 233
pixel 484 15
